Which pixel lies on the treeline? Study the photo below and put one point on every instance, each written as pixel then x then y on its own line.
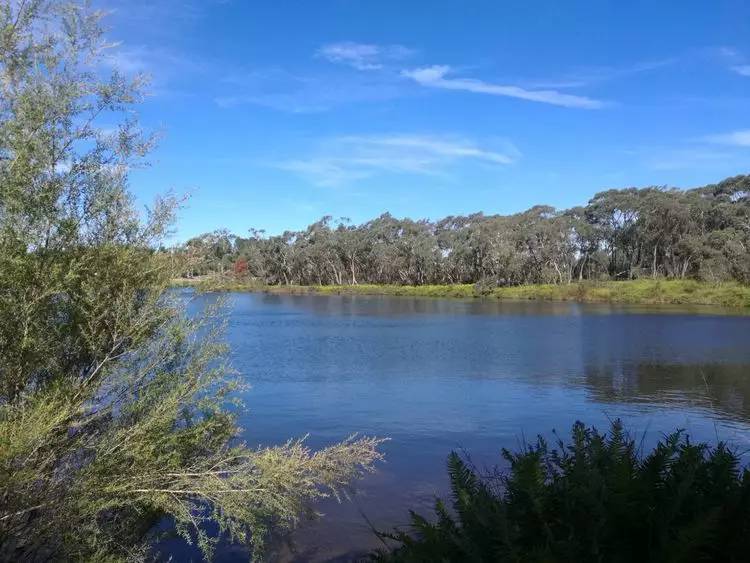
pixel 701 233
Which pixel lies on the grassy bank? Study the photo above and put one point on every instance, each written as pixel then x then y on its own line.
pixel 643 292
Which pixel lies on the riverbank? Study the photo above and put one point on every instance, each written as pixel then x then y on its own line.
pixel 639 292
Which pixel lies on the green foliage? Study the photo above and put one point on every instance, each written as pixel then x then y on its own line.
pixel 594 499
pixel 114 405
pixel 644 292
pixel 637 292
pixel 701 233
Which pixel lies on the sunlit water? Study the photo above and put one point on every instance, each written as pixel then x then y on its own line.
pixel 440 375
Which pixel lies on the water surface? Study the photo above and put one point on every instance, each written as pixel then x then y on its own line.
pixel 436 375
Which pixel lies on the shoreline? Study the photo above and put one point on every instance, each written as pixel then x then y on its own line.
pixel 632 292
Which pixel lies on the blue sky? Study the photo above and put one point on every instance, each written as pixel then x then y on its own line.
pixel 275 113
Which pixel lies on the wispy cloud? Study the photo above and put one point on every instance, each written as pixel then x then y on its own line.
pixel 724 152
pixel 739 138
pixel 596 75
pixel 315 90
pixel 166 71
pixel 329 172
pixel 686 158
pixel 133 59
pixel 732 58
pixel 363 56
pixel 165 17
pixel 129 60
pixel 346 159
pixel 307 92
pixel 436 77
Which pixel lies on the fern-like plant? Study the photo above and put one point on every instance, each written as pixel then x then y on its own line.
pixel 595 499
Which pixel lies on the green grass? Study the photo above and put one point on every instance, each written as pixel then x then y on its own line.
pixel 639 292
pixel 645 292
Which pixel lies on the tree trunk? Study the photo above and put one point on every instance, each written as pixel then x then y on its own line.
pixel 583 265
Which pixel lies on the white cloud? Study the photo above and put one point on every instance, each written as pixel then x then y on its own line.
pixel 165 17
pixel 164 71
pixel 433 146
pixel 721 152
pixel 346 159
pixel 735 138
pixel 733 59
pixel 307 92
pixel 596 75
pixel 435 77
pixel 132 60
pixel 323 171
pixel 686 158
pixel 363 56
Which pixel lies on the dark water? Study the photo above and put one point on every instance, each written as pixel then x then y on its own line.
pixel 436 375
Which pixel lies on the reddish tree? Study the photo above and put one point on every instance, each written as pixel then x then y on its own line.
pixel 240 267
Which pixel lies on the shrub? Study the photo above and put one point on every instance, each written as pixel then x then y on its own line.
pixel 115 406
pixel 595 499
pixel 240 267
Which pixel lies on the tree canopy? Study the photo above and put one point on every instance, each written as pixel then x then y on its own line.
pixel 701 233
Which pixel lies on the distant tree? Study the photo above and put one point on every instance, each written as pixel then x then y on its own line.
pixel 702 233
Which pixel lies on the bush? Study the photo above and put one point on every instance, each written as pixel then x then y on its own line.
pixel 115 405
pixel 595 499
pixel 485 287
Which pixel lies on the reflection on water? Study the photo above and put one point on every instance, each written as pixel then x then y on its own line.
pixel 721 389
pixel 435 375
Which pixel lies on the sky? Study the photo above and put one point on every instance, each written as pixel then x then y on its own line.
pixel 272 114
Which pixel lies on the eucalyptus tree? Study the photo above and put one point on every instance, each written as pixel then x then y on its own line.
pixel 323 254
pixel 454 240
pixel 614 213
pixel 112 401
pixel 353 245
pixel 504 263
pixel 724 213
pixel 586 241
pixel 210 252
pixel 386 261
pixel 253 250
pixel 419 252
pixel 701 233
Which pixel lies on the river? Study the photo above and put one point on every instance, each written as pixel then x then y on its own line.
pixel 436 375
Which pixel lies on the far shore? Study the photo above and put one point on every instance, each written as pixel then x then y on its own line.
pixel 636 292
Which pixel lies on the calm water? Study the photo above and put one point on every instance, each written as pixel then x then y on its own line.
pixel 436 375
